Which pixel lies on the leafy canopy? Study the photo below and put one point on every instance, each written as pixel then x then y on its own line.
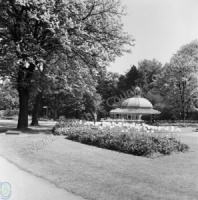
pixel 73 33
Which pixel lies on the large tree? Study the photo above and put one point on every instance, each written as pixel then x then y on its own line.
pixel 148 69
pixel 129 80
pixel 178 82
pixel 84 34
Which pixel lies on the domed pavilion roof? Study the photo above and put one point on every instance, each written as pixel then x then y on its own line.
pixel 135 105
pixel 136 102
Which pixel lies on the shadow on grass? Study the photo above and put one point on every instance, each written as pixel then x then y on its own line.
pixel 30 130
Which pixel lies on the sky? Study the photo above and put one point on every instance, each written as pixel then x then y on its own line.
pixel 159 27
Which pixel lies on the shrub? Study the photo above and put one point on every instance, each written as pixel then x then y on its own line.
pixel 10 113
pixel 64 124
pixel 125 141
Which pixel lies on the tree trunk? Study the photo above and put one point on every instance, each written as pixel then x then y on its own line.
pixel 184 86
pixel 23 85
pixel 23 108
pixel 36 109
pixel 94 115
pixel 55 114
pixel 56 106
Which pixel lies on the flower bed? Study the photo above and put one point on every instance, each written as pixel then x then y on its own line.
pixel 140 140
pixel 64 124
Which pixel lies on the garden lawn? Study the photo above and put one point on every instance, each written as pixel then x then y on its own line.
pixel 96 173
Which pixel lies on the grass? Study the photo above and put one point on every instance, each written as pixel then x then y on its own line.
pixel 101 174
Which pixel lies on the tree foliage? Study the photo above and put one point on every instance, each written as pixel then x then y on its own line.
pixel 178 81
pixel 148 69
pixel 108 88
pixel 129 80
pixel 8 96
pixel 58 38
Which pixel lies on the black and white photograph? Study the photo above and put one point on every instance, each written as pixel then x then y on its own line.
pixel 99 99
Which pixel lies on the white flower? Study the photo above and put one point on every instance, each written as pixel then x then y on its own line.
pixel 144 128
pixel 166 128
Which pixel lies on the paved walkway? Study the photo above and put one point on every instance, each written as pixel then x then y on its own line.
pixel 26 186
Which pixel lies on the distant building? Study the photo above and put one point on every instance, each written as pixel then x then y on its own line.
pixel 133 108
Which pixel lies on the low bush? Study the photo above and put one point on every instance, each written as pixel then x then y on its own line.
pixel 10 113
pixel 125 141
pixel 64 124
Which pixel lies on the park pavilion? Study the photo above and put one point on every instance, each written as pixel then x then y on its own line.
pixel 132 109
